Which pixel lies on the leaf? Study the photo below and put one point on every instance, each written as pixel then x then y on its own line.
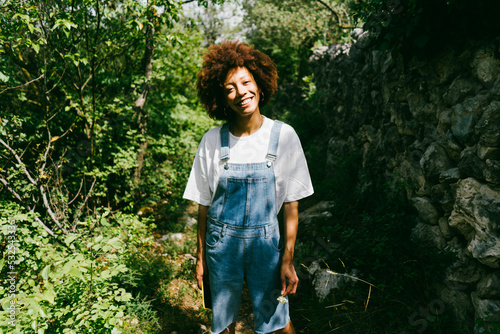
pixel 3 77
pixel 70 238
pixel 43 313
pixel 54 139
pixel 49 295
pixel 76 273
pixel 115 243
pixel 45 272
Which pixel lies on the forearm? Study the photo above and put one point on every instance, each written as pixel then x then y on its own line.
pixel 201 231
pixel 291 224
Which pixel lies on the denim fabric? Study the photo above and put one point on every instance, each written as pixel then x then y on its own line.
pixel 243 242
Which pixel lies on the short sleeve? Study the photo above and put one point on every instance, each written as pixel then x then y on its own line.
pixel 198 188
pixel 299 181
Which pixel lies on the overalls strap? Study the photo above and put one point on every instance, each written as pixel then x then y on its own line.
pixel 272 149
pixel 224 142
pixel 273 141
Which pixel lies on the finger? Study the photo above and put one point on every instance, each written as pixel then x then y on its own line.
pixel 283 286
pixel 200 280
pixel 294 287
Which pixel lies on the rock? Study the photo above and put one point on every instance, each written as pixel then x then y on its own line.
pixel 429 235
pixel 486 152
pixel 477 216
pixel 492 171
pixel 489 286
pixel 463 273
pixel 470 165
pixel 451 175
pixel 420 109
pixel 486 67
pixel 444 121
pixel 318 214
pixel 435 161
pixel 364 40
pixel 355 33
pixel 433 122
pixel 325 281
pixel 175 237
pixel 460 305
pixel 190 221
pixel 486 309
pixel 464 119
pixel 488 126
pixel 426 210
pixel 445 228
pixel 460 88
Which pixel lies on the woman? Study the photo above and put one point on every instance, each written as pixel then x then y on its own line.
pixel 243 172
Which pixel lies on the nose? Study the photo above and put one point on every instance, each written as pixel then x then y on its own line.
pixel 240 90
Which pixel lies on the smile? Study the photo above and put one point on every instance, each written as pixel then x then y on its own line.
pixel 245 102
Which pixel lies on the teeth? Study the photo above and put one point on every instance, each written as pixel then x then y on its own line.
pixel 245 102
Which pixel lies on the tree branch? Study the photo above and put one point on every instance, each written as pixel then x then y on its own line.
pixel 45 227
pixel 336 15
pixel 16 195
pixel 18 161
pixel 9 188
pixel 79 211
pixel 25 84
pixel 49 210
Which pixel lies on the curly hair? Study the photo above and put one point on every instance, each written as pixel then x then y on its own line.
pixel 216 64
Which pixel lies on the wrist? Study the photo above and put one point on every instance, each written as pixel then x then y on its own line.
pixel 287 258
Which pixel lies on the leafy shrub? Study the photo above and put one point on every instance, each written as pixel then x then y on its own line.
pixel 79 285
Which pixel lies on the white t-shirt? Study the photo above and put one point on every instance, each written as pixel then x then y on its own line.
pixel 292 175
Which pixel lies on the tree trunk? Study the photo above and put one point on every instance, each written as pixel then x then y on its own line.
pixel 140 112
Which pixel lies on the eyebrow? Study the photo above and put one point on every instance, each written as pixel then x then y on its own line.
pixel 243 77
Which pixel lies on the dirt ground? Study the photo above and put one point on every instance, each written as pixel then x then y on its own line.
pixel 184 290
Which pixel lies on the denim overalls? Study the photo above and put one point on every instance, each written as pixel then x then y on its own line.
pixel 243 241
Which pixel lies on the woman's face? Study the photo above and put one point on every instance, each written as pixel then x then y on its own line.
pixel 241 92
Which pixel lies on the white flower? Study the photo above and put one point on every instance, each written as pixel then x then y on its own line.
pixel 282 300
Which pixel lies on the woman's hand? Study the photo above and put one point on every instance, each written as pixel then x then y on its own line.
pixel 201 264
pixel 288 275
pixel 201 269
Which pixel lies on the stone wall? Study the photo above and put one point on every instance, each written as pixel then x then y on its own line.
pixel 435 123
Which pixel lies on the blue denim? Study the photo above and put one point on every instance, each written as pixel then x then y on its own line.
pixel 243 242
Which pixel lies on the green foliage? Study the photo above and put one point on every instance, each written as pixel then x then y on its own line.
pixel 72 74
pixel 79 285
pixel 83 152
pixel 287 31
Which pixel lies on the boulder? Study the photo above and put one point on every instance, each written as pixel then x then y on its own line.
pixel 489 286
pixel 435 161
pixel 426 210
pixel 476 215
pixel 429 235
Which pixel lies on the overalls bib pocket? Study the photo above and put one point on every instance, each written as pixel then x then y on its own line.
pixel 244 199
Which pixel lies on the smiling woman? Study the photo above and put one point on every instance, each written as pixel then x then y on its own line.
pixel 225 58
pixel 243 173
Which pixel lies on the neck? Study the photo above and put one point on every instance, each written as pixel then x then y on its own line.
pixel 241 127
